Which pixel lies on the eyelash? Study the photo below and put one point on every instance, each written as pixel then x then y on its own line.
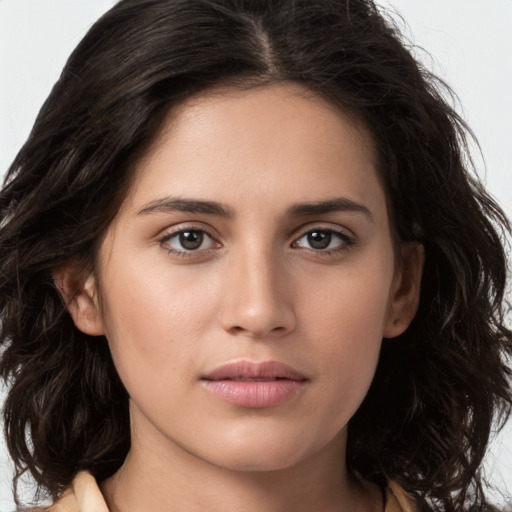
pixel 185 253
pixel 346 241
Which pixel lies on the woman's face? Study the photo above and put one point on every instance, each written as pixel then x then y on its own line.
pixel 248 280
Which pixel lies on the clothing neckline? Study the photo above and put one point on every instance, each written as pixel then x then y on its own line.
pixel 84 495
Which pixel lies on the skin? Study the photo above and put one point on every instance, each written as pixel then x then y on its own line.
pixel 255 289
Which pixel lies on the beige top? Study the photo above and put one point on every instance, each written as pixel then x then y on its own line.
pixel 84 495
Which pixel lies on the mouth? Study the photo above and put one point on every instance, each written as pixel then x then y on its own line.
pixel 254 385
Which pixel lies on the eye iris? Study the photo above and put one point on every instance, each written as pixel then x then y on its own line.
pixel 191 240
pixel 319 239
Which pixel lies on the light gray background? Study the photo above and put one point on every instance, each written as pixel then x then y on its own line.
pixel 471 46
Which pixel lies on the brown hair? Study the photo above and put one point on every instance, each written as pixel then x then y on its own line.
pixel 426 420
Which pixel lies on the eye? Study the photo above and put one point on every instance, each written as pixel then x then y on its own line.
pixel 324 240
pixel 188 240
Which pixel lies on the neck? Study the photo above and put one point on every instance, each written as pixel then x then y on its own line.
pixel 173 479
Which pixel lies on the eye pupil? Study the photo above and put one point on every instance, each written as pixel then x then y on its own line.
pixel 191 240
pixel 319 239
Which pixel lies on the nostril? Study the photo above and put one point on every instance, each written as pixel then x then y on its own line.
pixel 256 314
pixel 257 333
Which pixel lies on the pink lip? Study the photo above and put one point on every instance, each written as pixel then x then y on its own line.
pixel 254 385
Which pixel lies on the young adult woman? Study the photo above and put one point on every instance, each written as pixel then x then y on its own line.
pixel 244 266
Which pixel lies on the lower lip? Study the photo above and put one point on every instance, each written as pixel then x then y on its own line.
pixel 255 394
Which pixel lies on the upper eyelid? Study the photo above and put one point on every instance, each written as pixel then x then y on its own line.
pixel 303 230
pixel 171 231
pixel 185 253
pixel 164 238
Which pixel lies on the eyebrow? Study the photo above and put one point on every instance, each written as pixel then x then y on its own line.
pixel 170 204
pixel 337 204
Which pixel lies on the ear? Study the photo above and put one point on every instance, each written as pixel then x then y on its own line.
pixel 81 298
pixel 405 292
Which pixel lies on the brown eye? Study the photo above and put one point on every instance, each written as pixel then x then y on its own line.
pixel 324 240
pixel 319 239
pixel 191 240
pixel 188 240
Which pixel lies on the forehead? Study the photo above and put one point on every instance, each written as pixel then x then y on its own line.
pixel 267 107
pixel 237 145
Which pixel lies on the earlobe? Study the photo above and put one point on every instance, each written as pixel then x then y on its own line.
pixel 80 297
pixel 405 294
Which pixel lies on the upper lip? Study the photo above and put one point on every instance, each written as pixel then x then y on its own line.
pixel 254 370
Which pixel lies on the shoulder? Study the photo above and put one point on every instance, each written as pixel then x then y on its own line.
pixel 398 500
pixel 83 495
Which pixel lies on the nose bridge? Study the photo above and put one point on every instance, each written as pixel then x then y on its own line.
pixel 257 300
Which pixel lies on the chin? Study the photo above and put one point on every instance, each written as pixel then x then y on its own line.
pixel 260 463
pixel 261 453
pixel 264 444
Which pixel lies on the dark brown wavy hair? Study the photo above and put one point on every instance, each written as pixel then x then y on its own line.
pixel 439 387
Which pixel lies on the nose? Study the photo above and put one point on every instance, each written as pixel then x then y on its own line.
pixel 258 298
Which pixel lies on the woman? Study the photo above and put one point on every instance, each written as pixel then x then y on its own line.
pixel 244 266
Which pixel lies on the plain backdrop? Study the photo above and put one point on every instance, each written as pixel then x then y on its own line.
pixel 469 42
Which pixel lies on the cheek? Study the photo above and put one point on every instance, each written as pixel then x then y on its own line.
pixel 350 303
pixel 344 318
pixel 155 325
